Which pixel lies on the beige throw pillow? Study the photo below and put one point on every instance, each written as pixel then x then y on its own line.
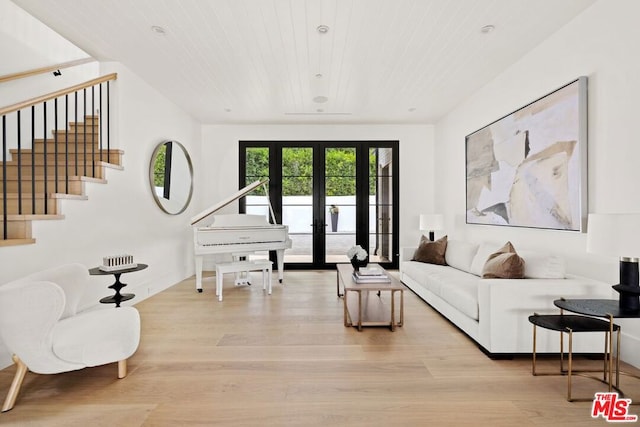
pixel 431 252
pixel 504 264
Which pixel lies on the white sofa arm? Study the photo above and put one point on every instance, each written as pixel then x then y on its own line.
pixel 506 304
pixel 406 253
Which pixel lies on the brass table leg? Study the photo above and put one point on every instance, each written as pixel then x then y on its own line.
pixel 393 311
pixel 346 312
pixel 360 311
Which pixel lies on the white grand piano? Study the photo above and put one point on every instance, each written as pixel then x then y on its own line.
pixel 237 234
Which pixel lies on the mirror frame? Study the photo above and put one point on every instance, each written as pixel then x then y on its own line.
pixel 152 175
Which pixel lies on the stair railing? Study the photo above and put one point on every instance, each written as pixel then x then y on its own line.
pixel 39 118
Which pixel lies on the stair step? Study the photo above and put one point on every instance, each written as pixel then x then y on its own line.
pixel 17 229
pixel 33 217
pixel 26 163
pixel 113 157
pixel 76 184
pixel 70 142
pixel 53 207
pixel 97 171
pixel 14 206
pixel 16 242
pixel 82 134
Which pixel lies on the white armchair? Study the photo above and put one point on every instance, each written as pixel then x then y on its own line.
pixel 42 328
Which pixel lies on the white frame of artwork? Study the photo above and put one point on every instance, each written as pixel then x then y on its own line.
pixel 529 168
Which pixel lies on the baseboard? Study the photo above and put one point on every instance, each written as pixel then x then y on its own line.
pixel 629 344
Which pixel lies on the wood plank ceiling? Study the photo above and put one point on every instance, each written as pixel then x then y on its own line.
pixel 264 61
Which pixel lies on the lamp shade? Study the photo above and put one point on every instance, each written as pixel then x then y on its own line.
pixel 616 235
pixel 430 222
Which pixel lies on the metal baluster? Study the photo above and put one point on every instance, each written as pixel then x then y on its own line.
pixel 33 159
pixel 100 122
pixel 93 130
pixel 66 143
pixel 44 127
pixel 19 165
pixel 55 143
pixel 108 121
pixel 75 132
pixel 5 226
pixel 84 129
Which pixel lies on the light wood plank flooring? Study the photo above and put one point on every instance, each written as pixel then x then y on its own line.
pixel 287 360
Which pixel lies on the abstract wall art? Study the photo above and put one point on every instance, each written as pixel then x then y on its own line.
pixel 529 168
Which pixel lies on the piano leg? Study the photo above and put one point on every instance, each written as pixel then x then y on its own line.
pixel 280 256
pixel 198 273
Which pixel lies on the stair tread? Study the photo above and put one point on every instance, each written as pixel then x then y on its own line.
pixel 16 242
pixel 28 196
pixel 104 150
pixel 32 217
pixel 60 178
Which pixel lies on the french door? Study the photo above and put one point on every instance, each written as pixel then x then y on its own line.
pixel 331 195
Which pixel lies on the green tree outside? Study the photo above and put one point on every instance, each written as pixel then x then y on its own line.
pixel 297 170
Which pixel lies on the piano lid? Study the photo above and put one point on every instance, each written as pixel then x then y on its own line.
pixel 240 193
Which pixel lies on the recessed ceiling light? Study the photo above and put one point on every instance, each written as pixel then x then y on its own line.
pixel 320 99
pixel 487 29
pixel 158 30
pixel 322 29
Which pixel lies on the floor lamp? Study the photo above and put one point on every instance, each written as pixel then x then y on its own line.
pixel 619 235
pixel 430 223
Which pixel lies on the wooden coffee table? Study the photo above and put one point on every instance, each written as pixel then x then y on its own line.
pixel 364 304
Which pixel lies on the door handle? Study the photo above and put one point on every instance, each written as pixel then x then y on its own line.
pixel 317 225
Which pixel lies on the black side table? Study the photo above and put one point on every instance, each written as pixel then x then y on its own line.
pixel 569 324
pixel 605 308
pixel 118 297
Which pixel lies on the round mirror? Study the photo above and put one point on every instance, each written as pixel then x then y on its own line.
pixel 171 177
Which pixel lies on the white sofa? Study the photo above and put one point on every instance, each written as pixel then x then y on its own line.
pixel 494 312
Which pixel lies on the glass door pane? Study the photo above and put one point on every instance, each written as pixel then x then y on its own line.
pixel 257 203
pixel 297 202
pixel 380 205
pixel 339 202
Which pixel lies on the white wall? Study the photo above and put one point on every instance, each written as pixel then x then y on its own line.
pixel 121 216
pixel 26 44
pixel 220 147
pixel 601 43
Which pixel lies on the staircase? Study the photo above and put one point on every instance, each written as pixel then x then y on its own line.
pixel 57 168
pixel 34 180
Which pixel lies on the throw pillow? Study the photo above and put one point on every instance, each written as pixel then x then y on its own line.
pixel 460 254
pixel 431 252
pixel 504 264
pixel 538 265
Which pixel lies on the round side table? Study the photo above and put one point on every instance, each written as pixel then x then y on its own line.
pixel 118 297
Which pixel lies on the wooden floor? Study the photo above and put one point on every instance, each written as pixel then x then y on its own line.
pixel 287 360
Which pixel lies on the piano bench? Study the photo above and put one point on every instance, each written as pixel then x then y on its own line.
pixel 244 267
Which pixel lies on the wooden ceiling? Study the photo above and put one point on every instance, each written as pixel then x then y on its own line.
pixel 264 61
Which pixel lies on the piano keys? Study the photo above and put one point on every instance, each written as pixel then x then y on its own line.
pixel 237 234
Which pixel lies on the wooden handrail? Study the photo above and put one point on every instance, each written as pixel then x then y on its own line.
pixel 51 68
pixel 56 94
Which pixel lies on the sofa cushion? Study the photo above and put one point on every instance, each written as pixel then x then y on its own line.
pixel 457 288
pixel 480 259
pixel 463 295
pixel 460 254
pixel 542 266
pixel 431 252
pixel 504 264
